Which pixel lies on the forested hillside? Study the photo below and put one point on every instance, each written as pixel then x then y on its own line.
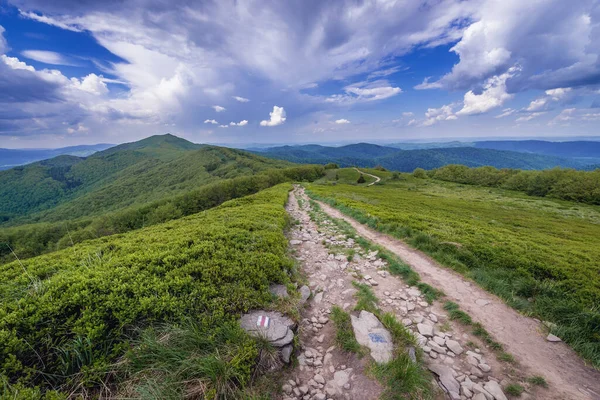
pixel 369 155
pixel 68 187
pixel 10 158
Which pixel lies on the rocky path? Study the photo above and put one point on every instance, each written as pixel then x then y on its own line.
pixel 464 368
pixel 523 337
pixel 377 179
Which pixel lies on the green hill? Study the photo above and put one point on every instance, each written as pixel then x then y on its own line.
pixel 369 155
pixel 68 187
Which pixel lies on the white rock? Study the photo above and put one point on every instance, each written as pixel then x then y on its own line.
pixel 371 333
pixel 484 367
pixel 454 346
pixel 553 338
pixel 425 330
pixel 493 388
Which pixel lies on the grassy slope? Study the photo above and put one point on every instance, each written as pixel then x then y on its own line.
pixel 129 174
pixel 540 255
pixel 72 312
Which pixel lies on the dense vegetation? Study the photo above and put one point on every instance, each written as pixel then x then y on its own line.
pixel 70 187
pixel 370 155
pixel 69 316
pixel 566 184
pixel 540 255
pixel 34 239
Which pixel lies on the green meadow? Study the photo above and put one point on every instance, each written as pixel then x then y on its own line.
pixel 542 256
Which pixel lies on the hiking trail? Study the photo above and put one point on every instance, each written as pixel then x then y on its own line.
pixel 463 366
pixel 567 375
pixel 377 179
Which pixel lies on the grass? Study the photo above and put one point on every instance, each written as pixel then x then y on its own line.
pixel 403 379
pixel 365 298
pixel 539 255
pixel 456 314
pixel 506 357
pixel 538 381
pixel 514 389
pixel 344 335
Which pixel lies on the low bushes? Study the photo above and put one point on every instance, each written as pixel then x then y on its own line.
pixel 66 317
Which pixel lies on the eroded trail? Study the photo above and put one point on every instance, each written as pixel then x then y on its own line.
pixel 523 337
pixel 331 261
pixel 377 179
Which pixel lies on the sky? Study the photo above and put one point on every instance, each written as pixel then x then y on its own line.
pixel 296 71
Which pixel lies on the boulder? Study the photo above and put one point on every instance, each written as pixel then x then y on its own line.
pixel 286 353
pixel 369 331
pixel 425 330
pixel 553 338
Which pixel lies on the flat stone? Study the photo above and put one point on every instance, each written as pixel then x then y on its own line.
pixel 439 340
pixel 371 333
pixel 454 346
pixel 279 291
pixel 482 302
pixel 295 242
pixel 319 297
pixel 272 325
pixel 446 378
pixel 484 367
pixel 478 389
pixel 479 396
pixel 553 338
pixel 304 294
pixel 436 347
pixel 425 330
pixel 319 379
pixel 493 388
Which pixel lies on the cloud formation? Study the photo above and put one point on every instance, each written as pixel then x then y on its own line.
pixel 218 108
pixel 241 99
pixel 47 57
pixel 342 121
pixel 277 117
pixel 241 123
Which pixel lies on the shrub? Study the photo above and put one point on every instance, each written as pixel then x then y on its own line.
pixel 420 173
pixel 331 166
pixel 361 179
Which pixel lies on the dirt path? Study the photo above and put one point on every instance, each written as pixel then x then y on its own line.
pixel 377 179
pixel 524 338
pixel 331 261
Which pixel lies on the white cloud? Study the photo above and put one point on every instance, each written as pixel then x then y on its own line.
pixel 434 115
pixel 80 128
pixel 365 91
pixel 48 57
pixel 506 112
pixel 342 121
pixel 3 43
pixel 551 96
pixel 218 108
pixel 529 117
pixel 211 121
pixel 493 95
pixel 241 123
pixel 92 83
pixel 223 126
pixel 277 117
pixel 408 114
pixel 241 99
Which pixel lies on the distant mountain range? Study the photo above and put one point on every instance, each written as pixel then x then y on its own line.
pixel 14 157
pixel 370 155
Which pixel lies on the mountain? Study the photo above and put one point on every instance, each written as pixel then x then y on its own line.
pixel 369 155
pixel 576 149
pixel 14 157
pixel 68 187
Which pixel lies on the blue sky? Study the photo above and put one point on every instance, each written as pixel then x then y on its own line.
pixel 83 72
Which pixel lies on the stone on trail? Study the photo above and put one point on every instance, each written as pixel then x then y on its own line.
pixel 279 291
pixel 319 297
pixel 446 378
pixel 553 338
pixel 272 325
pixel 286 353
pixel 479 396
pixel 304 294
pixel 493 388
pixel 371 333
pixel 454 346
pixel 295 242
pixel 425 330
